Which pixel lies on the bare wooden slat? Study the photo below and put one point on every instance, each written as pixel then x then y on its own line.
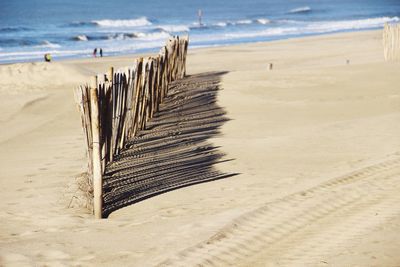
pixel 391 42
pixel 97 169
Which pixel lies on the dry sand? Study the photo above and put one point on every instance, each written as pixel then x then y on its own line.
pixel 316 140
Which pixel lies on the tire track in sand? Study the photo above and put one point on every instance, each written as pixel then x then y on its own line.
pixel 303 227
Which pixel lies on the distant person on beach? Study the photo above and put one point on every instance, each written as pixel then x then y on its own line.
pixel 95 52
pixel 101 52
pixel 47 57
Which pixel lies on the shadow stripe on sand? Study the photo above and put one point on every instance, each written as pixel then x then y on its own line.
pixel 172 152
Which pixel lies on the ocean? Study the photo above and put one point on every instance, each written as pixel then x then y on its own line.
pixel 73 28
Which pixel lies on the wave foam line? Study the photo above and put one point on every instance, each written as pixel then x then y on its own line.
pixel 349 24
pixel 123 36
pixel 81 37
pixel 142 21
pixel 48 44
pixel 263 21
pixel 173 28
pixel 317 27
pixel 223 24
pixel 303 9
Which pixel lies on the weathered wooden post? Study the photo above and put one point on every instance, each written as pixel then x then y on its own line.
pixel 385 39
pixel 110 74
pixel 96 148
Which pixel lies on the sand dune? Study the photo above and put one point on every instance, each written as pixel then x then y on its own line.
pixel 316 142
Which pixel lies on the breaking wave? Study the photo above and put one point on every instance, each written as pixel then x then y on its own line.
pixel 303 9
pixel 142 21
pixel 263 21
pixel 242 22
pixel 173 28
pixel 48 44
pixel 139 22
pixel 123 36
pixel 223 24
pixel 138 35
pixel 81 37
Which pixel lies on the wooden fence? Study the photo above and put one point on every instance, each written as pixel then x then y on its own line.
pixel 391 42
pixel 115 106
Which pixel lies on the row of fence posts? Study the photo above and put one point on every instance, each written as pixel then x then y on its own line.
pixel 116 105
pixel 391 42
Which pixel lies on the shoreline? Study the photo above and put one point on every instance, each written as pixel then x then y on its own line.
pixel 138 54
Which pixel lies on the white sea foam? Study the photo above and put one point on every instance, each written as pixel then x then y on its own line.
pixel 174 28
pixel 244 21
pixel 139 36
pixel 264 33
pixel 316 27
pixel 328 26
pixel 80 37
pixel 263 21
pixel 302 9
pixel 142 21
pixel 221 24
pixel 289 21
pixel 154 36
pixel 47 44
pixel 230 23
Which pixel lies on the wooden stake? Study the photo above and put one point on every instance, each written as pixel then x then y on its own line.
pixel 391 42
pixel 111 74
pixel 97 170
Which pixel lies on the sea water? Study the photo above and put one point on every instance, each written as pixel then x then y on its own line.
pixel 73 28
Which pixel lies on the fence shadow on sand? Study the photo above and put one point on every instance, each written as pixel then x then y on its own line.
pixel 172 152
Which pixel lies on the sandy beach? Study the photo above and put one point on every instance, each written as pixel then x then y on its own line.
pixel 315 141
